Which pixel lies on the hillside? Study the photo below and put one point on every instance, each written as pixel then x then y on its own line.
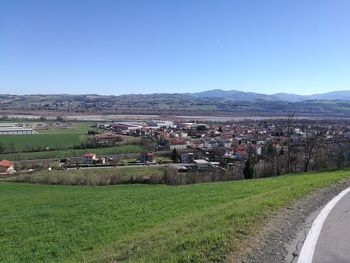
pixel 215 102
pixel 235 95
pixel 141 223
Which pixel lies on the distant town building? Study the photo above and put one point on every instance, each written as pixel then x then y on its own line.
pixel 179 134
pixel 91 158
pixel 160 124
pixel 146 157
pixel 108 138
pixel 177 144
pixel 13 130
pixel 186 157
pixel 126 126
pixel 88 158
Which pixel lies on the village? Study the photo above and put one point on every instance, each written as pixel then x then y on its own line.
pixel 247 149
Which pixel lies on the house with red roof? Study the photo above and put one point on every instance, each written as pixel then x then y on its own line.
pixel 240 151
pixel 7 167
pixel 88 158
pixel 177 144
pixel 91 158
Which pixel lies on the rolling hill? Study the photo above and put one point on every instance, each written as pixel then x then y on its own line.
pixel 212 102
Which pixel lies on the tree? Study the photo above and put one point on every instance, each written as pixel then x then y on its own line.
pixel 270 152
pixel 248 170
pixel 201 128
pixel 148 143
pixel 290 122
pixel 322 158
pixel 270 159
pixel 12 147
pixel 2 148
pixel 280 161
pixel 340 159
pixel 174 155
pixel 311 142
pixel 59 119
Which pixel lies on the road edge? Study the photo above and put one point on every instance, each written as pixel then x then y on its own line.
pixel 281 235
pixel 308 249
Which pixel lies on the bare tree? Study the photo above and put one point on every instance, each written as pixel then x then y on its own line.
pixel 322 158
pixel 270 160
pixel 311 142
pixel 280 161
pixel 340 158
pixel 290 123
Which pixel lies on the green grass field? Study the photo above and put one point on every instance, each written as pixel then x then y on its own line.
pixel 27 142
pixel 141 223
pixel 76 128
pixel 61 139
pixel 129 148
pixel 56 137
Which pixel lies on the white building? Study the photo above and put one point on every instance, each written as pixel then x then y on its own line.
pixel 15 130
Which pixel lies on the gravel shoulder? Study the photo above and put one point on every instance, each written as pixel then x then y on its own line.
pixel 281 237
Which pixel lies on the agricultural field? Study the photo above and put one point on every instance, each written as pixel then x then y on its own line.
pixel 74 128
pixel 49 137
pixel 57 142
pixel 66 153
pixel 141 223
pixel 34 141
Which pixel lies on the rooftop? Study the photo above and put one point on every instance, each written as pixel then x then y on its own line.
pixel 6 163
pixel 89 155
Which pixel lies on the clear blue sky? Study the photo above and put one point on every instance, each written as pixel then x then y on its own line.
pixel 146 46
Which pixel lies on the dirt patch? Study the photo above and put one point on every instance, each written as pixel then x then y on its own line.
pixel 283 233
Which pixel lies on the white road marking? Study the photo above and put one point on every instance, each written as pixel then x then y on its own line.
pixel 308 249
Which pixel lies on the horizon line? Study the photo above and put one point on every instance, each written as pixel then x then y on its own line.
pixel 170 93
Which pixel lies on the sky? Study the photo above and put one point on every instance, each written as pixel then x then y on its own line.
pixel 155 46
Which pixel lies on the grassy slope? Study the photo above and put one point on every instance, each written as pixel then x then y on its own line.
pixel 140 223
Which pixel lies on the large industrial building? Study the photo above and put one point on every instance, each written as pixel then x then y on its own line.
pixel 8 129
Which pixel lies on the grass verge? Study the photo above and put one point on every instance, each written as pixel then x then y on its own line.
pixel 141 223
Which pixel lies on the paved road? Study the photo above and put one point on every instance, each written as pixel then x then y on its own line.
pixel 333 244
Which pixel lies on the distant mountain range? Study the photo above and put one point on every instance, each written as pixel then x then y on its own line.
pixel 211 102
pixel 235 95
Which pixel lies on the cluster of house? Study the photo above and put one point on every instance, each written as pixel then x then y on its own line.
pixel 207 144
pixel 232 140
pixel 193 135
pixel 92 158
